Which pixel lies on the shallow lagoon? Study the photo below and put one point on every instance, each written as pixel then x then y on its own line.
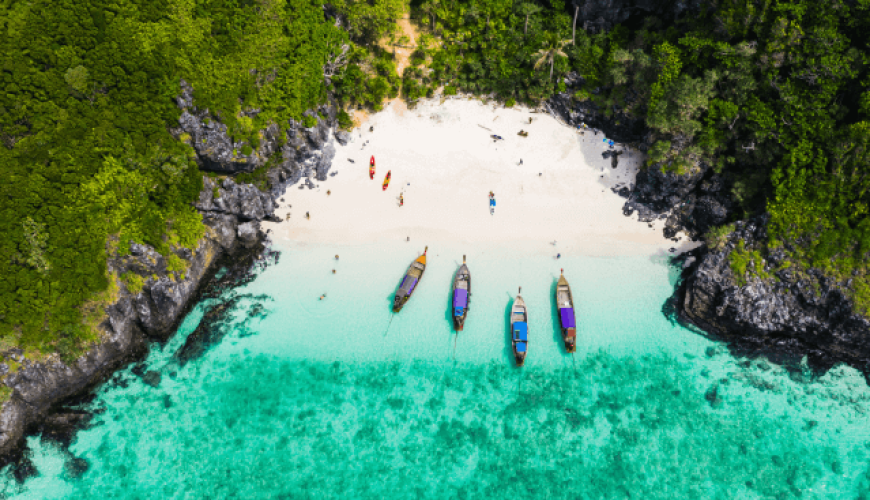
pixel 305 398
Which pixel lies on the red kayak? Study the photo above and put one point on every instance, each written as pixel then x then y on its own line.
pixel 372 168
pixel 387 180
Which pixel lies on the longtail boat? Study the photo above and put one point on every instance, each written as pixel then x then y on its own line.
pixel 461 295
pixel 372 168
pixel 519 329
pixel 565 304
pixel 387 180
pixel 410 281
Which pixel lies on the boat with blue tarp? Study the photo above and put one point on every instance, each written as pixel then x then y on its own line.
pixel 519 329
pixel 461 295
pixel 567 319
pixel 410 281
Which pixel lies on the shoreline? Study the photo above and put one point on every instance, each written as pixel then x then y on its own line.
pixel 444 162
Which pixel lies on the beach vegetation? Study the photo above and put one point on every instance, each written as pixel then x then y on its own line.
pixel 717 237
pixel 133 282
pixel 747 263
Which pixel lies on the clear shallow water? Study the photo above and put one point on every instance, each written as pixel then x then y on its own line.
pixel 310 399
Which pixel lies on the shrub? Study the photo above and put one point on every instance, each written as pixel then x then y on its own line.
pixel 247 150
pixel 510 102
pixel 718 236
pixel 344 120
pixel 133 281
pixel 449 90
pixel 309 121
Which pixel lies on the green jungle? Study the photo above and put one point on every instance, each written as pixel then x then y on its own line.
pixel 773 94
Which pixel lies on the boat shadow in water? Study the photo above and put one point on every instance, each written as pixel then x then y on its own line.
pixel 509 347
pixel 448 311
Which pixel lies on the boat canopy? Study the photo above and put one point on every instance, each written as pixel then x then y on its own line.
pixel 458 311
pixel 521 347
pixel 408 284
pixel 492 202
pixel 460 298
pixel 567 316
pixel 521 331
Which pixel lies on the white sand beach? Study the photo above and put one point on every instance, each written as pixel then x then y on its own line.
pixel 445 163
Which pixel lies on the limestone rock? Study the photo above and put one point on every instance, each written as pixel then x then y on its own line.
pixel 249 233
pixel 811 315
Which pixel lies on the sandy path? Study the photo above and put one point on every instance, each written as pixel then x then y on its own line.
pixel 445 163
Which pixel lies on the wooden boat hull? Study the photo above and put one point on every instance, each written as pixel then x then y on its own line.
pixel 461 297
pixel 519 330
pixel 567 317
pixel 409 282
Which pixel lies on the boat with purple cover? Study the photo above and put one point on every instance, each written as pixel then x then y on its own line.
pixel 565 304
pixel 410 281
pixel 461 295
pixel 519 329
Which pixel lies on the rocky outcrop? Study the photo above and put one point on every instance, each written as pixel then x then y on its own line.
pixel 616 122
pixel 602 15
pixel 692 201
pixel 302 149
pixel 784 308
pixel 227 197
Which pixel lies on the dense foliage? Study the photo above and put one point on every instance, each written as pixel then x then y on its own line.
pixel 88 161
pixel 773 94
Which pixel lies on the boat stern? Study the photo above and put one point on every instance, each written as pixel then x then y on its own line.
pixel 570 337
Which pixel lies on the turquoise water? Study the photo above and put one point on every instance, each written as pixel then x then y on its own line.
pixel 305 398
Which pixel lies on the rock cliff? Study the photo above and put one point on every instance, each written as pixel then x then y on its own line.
pixel 784 308
pixel 231 212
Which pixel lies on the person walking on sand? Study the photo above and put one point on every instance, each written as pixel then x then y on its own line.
pixel 328 192
pixel 307 215
pixel 521 161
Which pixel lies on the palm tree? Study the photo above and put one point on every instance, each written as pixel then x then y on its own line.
pixel 552 48
pixel 574 25
pixel 528 10
pixel 429 8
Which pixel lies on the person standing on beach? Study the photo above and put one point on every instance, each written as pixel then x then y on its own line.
pixel 307 216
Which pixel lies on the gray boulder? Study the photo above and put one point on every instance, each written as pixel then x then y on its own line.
pixel 249 233
pixel 342 137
